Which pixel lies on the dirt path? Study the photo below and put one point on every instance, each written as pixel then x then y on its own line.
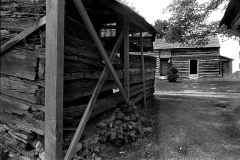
pixel 194 128
pixel 188 124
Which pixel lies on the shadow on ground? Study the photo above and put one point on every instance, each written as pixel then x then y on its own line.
pixel 195 128
pixel 189 123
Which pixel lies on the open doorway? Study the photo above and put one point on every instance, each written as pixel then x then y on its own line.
pixel 164 65
pixel 193 67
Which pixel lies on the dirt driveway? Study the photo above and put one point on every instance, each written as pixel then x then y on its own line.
pixel 191 125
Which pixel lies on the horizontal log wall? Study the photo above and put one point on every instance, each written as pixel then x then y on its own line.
pixel 22 78
pixel 208 59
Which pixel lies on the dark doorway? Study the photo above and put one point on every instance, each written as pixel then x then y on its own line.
pixel 193 66
pixel 163 66
pixel 226 68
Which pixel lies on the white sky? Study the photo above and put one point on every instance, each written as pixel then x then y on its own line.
pixel 152 10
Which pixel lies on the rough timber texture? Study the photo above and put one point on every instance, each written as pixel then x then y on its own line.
pixel 22 80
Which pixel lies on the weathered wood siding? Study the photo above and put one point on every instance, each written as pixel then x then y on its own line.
pixel 208 61
pixel 22 78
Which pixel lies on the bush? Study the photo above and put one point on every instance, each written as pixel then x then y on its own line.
pixel 172 74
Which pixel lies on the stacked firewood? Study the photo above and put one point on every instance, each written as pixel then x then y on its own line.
pixel 122 127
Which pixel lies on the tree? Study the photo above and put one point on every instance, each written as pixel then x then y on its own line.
pixel 130 5
pixel 161 25
pixel 188 24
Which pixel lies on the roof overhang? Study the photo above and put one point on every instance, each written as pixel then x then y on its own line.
pixel 231 17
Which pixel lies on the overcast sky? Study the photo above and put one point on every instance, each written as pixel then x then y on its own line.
pixel 152 10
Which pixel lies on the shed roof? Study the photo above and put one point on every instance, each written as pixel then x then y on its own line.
pixel 109 10
pixel 231 17
pixel 162 44
pixel 226 58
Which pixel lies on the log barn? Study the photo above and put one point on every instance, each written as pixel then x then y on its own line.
pixel 60 61
pixel 193 61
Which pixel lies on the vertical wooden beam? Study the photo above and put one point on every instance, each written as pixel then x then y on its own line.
pixel 143 73
pixel 220 67
pixel 54 80
pixel 126 59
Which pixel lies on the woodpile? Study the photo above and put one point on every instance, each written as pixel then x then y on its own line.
pixel 22 94
pixel 122 127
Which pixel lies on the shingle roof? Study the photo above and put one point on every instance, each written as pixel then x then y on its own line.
pixel 162 44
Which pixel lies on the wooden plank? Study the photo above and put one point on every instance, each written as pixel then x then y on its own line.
pixel 54 80
pixel 126 59
pixel 92 101
pixel 21 90
pixel 143 72
pixel 22 35
pixel 99 45
pixel 24 105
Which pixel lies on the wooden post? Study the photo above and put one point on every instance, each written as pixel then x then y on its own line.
pixel 54 80
pixel 220 67
pixel 143 72
pixel 126 59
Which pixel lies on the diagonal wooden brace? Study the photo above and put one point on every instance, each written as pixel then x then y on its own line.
pixel 93 99
pixel 22 35
pixel 92 32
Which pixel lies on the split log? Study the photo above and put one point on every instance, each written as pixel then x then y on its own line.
pixel 22 122
pixel 15 145
pixel 106 103
pixel 73 27
pixel 17 24
pixel 20 63
pixel 14 108
pixel 79 89
pixel 21 90
pixel 138 78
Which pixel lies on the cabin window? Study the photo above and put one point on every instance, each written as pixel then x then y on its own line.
pixel 193 67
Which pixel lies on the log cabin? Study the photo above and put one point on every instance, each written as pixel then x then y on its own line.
pixel 193 61
pixel 55 60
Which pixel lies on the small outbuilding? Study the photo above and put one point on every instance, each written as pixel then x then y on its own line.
pixel 193 61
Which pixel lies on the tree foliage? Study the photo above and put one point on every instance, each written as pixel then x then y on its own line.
pixel 188 22
pixel 130 5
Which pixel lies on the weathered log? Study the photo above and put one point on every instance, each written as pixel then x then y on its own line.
pixel 84 48
pixel 79 89
pixel 13 102
pixel 19 109
pixel 138 78
pixel 73 27
pixel 17 24
pixel 106 103
pixel 20 63
pixel 22 122
pixel 21 90
pixel 12 144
